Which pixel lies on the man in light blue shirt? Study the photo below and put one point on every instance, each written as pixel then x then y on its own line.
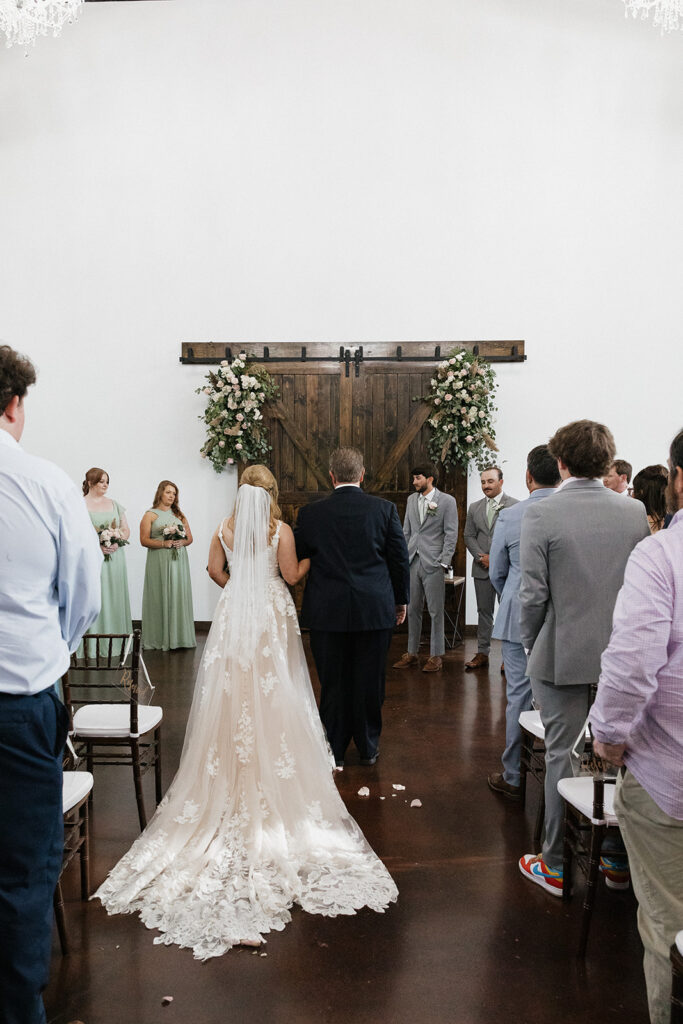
pixel 50 565
pixel 542 477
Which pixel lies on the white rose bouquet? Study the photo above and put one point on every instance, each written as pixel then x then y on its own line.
pixel 235 429
pixel 111 539
pixel 461 396
pixel 176 531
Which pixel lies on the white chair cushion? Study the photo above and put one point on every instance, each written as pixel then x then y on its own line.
pixel 579 793
pixel 531 722
pixel 98 720
pixel 75 787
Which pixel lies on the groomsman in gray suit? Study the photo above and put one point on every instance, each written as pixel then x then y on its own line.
pixel 481 521
pixel 542 477
pixel 430 528
pixel 573 552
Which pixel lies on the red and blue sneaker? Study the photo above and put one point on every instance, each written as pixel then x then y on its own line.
pixel 616 872
pixel 532 867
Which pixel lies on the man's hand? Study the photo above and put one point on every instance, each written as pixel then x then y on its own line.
pixel 484 560
pixel 612 752
pixel 400 613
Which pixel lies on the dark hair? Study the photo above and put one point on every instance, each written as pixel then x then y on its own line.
pixel 587 448
pixel 649 486
pixel 175 507
pixel 542 466
pixel 490 469
pixel 676 452
pixel 17 373
pixel 621 467
pixel 92 477
pixel 425 469
pixel 347 465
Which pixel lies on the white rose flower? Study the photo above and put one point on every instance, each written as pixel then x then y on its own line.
pixel 224 362
pixel 460 355
pixel 452 361
pixel 221 444
pixel 482 414
pixel 262 397
pixel 433 382
pixel 437 401
pixel 239 416
pixel 449 398
pixel 238 446
pixel 230 462
pixel 469 439
pixel 463 373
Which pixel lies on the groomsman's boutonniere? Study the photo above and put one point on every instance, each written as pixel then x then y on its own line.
pixel 432 508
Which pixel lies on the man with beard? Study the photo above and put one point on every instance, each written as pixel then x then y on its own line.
pixel 430 528
pixel 637 722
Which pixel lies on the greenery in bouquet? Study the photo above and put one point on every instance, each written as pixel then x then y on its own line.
pixel 235 429
pixel 462 399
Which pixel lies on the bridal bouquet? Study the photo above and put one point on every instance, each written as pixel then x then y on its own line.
pixel 111 537
pixel 461 396
pixel 176 531
pixel 235 429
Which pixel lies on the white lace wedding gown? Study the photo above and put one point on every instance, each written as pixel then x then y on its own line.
pixel 252 822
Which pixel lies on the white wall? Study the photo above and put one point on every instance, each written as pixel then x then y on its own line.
pixel 343 171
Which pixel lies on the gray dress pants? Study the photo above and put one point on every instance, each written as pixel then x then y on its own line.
pixel 427 586
pixel 486 602
pixel 563 712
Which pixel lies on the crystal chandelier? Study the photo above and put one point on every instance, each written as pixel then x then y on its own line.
pixel 23 21
pixel 668 14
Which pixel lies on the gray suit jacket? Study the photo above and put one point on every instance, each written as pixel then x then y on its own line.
pixel 435 539
pixel 573 552
pixel 504 565
pixel 478 536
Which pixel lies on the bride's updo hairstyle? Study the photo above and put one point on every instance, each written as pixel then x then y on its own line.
pixel 260 476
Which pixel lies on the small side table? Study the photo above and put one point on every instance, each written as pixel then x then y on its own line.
pixel 455 593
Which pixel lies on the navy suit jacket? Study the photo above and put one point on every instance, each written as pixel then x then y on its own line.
pixel 359 562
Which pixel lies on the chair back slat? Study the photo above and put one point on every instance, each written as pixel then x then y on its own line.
pixel 99 655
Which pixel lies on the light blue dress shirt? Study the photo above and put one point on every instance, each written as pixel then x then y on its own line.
pixel 50 563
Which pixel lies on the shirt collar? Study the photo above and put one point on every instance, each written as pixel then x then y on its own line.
pixel 580 481
pixel 339 486
pixel 497 500
pixel 6 438
pixel 430 496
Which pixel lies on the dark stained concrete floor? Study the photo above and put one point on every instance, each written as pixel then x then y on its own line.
pixel 469 941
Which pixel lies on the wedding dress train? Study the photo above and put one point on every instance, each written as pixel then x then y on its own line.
pixel 252 822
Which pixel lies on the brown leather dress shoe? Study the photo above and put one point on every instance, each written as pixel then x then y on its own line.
pixel 406 660
pixel 478 661
pixel 498 784
pixel 434 664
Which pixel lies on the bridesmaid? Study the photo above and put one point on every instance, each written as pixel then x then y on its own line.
pixel 104 511
pixel 167 615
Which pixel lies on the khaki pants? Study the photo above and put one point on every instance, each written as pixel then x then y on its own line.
pixel 654 843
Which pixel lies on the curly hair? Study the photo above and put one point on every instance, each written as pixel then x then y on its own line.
pixel 17 373
pixel 587 448
pixel 260 476
pixel 175 507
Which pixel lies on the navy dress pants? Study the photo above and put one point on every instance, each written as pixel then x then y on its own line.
pixel 352 672
pixel 33 732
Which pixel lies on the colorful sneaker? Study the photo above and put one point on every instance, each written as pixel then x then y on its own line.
pixel 531 865
pixel 616 872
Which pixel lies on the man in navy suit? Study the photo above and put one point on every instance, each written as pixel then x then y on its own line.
pixel 357 591
pixel 542 477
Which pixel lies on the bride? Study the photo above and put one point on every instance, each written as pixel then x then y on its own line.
pixel 252 822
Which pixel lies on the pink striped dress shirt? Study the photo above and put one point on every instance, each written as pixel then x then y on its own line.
pixel 640 694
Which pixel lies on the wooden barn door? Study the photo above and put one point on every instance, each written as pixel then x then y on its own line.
pixel 362 396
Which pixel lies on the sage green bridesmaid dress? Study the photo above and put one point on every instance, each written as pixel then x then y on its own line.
pixel 167 613
pixel 114 615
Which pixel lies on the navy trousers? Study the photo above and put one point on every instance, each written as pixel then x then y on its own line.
pixel 33 732
pixel 352 672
